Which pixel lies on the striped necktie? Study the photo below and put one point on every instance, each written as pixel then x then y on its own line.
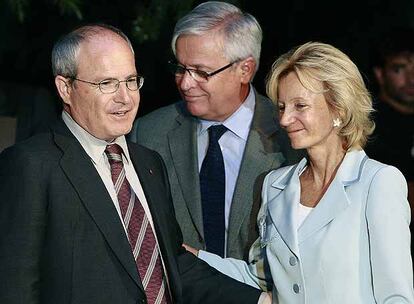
pixel 140 234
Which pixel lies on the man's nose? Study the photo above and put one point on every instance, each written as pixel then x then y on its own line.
pixel 187 81
pixel 123 93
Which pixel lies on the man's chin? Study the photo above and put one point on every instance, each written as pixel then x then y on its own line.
pixel 194 109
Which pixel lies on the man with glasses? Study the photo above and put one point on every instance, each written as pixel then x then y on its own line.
pixel 87 217
pixel 223 137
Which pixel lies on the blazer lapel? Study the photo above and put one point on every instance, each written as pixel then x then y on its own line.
pixel 332 203
pixel 335 200
pixel 259 156
pixel 93 194
pixel 183 148
pixel 282 208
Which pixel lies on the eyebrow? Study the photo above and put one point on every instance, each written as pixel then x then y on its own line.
pixel 126 78
pixel 132 75
pixel 195 67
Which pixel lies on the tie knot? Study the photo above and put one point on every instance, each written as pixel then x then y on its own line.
pixel 113 152
pixel 215 132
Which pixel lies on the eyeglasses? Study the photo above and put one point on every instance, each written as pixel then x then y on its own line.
pixel 198 75
pixel 108 86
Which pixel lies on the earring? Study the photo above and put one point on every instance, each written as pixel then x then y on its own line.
pixel 336 122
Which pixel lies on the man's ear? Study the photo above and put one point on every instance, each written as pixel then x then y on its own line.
pixel 248 68
pixel 64 88
pixel 379 75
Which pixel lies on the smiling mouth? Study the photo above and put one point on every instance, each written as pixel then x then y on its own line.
pixel 294 131
pixel 120 113
pixel 190 97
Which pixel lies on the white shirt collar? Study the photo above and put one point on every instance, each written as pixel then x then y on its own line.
pixel 239 122
pixel 93 146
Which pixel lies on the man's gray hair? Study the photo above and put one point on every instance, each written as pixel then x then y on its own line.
pixel 242 34
pixel 66 49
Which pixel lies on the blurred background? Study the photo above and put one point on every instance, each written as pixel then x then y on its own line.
pixel 28 101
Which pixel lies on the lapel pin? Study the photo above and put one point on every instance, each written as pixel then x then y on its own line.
pixel 150 171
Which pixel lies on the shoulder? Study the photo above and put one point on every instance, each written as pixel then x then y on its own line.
pixel 265 106
pixel 30 157
pixel 163 115
pixel 281 175
pixel 383 187
pixel 39 146
pixel 265 101
pixel 159 122
pixel 378 173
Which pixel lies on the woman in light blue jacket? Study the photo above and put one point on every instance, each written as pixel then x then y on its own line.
pixel 335 227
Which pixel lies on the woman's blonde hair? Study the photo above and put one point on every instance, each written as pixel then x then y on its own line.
pixel 344 88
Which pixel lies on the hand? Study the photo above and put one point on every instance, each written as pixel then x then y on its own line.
pixel 191 249
pixel 265 298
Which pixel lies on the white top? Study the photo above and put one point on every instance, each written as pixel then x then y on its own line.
pixel 301 214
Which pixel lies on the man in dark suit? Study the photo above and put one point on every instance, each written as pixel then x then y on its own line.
pixel 85 216
pixel 217 49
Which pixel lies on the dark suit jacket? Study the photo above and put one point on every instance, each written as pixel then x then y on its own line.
pixel 61 240
pixel 172 132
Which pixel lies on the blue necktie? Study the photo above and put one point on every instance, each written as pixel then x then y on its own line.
pixel 212 187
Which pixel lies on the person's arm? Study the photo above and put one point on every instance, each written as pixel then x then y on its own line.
pixel 265 297
pixel 388 219
pixel 22 227
pixel 252 273
pixel 204 284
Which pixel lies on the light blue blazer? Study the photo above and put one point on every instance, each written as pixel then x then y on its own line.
pixel 354 246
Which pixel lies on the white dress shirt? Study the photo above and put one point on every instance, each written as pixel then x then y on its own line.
pixel 232 144
pixel 95 148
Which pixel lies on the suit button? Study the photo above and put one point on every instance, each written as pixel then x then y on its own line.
pixel 292 261
pixel 296 288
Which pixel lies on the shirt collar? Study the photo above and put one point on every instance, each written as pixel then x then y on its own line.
pixel 93 146
pixel 239 122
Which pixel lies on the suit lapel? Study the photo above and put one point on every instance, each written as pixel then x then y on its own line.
pixel 282 208
pixel 94 196
pixel 259 156
pixel 330 206
pixel 335 200
pixel 183 148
